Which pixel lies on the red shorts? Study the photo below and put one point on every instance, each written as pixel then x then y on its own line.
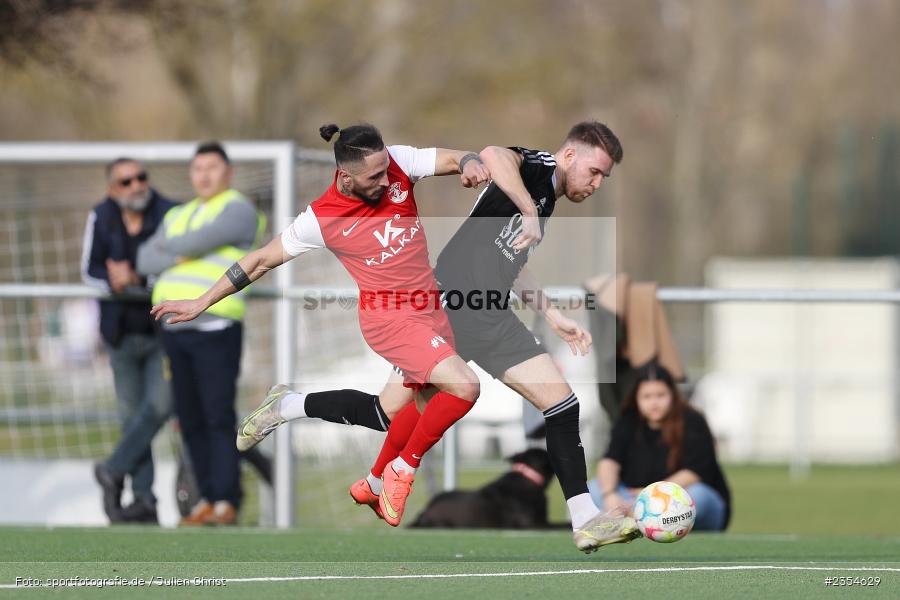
pixel 414 341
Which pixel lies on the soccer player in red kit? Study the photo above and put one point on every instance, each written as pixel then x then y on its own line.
pixel 489 254
pixel 369 219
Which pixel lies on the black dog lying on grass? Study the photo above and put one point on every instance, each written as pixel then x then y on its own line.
pixel 515 500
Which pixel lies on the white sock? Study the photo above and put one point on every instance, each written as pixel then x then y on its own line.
pixel 401 465
pixel 581 509
pixel 375 483
pixel 293 406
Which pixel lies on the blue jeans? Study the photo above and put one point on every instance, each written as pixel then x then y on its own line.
pixel 144 403
pixel 711 509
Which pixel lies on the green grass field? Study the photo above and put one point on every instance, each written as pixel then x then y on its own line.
pixel 834 499
pixel 786 539
pixel 315 563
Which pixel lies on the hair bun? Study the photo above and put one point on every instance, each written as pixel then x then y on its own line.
pixel 328 131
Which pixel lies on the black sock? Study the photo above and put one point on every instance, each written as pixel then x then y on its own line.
pixel 564 446
pixel 350 407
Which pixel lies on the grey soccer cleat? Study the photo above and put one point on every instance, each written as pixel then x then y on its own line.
pixel 605 529
pixel 262 421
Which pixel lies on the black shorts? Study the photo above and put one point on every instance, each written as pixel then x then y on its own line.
pixel 495 340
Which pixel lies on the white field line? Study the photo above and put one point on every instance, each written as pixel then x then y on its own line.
pixel 566 572
pixel 833 569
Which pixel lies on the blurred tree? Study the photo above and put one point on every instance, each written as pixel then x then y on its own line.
pixel 721 105
pixel 35 31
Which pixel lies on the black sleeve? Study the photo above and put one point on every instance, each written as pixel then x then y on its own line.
pixel 622 433
pixel 537 166
pixel 699 447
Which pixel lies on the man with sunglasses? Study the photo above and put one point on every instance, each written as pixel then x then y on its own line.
pixel 128 216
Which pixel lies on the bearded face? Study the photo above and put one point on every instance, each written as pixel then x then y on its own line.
pixel 367 179
pixel 129 186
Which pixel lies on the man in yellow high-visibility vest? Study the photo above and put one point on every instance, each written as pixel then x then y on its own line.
pixel 195 244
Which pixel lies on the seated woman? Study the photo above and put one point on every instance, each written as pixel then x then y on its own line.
pixel 660 437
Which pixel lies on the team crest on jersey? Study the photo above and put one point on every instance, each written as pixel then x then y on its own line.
pixel 395 194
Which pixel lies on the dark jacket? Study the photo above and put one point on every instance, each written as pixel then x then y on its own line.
pixel 105 237
pixel 642 454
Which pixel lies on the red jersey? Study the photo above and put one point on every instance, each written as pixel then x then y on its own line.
pixel 383 247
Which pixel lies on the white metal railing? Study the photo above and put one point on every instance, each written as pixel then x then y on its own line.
pixel 287 294
pixel 674 295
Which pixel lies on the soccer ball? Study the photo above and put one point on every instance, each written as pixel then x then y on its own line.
pixel 664 512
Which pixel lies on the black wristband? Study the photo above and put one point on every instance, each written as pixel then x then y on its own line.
pixel 237 276
pixel 467 158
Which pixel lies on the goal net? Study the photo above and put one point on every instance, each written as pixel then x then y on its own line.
pixel 57 404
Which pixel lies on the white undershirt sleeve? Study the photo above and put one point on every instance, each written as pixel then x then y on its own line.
pixel 417 163
pixel 303 235
pixel 86 249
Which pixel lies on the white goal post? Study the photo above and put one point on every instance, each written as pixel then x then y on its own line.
pixel 282 155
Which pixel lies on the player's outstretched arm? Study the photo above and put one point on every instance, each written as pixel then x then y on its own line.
pixel 248 269
pixel 504 165
pixel 529 290
pixel 469 165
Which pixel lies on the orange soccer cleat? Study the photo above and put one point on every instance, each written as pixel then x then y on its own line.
pixel 392 501
pixel 361 492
